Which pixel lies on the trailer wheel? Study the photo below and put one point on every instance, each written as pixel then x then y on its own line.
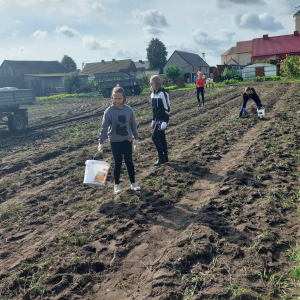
pixel 16 123
pixel 128 91
pixel 106 93
pixel 137 91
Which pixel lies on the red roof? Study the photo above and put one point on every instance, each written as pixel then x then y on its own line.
pixel 230 51
pixel 284 44
pixel 226 52
pixel 243 47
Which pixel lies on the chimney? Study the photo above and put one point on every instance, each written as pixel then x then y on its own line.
pixel 296 33
pixel 265 36
pixel 113 59
pixel 102 60
pixel 297 21
pixel 140 61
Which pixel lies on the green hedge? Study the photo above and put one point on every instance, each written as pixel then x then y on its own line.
pixel 69 96
pixel 266 78
pixel 168 88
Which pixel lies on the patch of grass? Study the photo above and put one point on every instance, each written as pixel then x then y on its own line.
pixel 157 182
pixel 268 235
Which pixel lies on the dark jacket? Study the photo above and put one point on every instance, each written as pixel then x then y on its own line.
pixel 161 105
pixel 253 95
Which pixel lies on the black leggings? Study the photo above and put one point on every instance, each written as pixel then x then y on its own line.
pixel 200 90
pixel 118 150
pixel 159 140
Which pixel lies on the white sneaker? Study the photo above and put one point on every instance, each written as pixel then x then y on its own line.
pixel 135 187
pixel 117 189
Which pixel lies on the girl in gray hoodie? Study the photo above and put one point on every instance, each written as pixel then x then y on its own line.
pixel 119 126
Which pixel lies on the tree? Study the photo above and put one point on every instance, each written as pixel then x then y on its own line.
pixel 173 72
pixel 157 54
pixel 70 81
pixel 230 74
pixel 69 63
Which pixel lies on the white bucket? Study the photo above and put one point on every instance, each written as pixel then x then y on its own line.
pixel 261 112
pixel 96 172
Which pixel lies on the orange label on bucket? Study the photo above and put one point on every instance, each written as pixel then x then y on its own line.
pixel 100 177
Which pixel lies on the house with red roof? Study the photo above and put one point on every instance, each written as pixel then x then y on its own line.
pixel 262 49
pixel 228 57
pixel 276 47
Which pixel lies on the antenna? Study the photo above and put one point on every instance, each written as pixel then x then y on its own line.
pixel 203 56
pixel 84 63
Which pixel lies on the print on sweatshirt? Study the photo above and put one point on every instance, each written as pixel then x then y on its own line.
pixel 121 128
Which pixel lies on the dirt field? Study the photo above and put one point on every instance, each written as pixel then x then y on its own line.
pixel 219 221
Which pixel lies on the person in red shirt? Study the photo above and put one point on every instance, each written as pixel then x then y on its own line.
pixel 200 85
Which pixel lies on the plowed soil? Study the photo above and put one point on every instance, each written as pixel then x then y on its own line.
pixel 219 221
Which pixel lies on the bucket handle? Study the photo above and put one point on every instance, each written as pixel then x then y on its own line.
pixel 97 153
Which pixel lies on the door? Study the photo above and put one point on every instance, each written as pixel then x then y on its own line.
pixel 260 71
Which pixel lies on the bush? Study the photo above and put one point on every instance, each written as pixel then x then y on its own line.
pixel 70 81
pixel 92 84
pixel 291 66
pixel 173 72
pixel 180 82
pixel 83 89
pixel 145 80
pixel 230 74
pixel 272 61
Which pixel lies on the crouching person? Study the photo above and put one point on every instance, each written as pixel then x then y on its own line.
pixel 119 126
pixel 249 93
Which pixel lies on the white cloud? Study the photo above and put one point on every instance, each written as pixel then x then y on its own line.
pixel 90 42
pixel 2 4
pixel 257 22
pixel 216 42
pixel 153 21
pixel 40 35
pixel 126 54
pixel 66 30
pixel 225 3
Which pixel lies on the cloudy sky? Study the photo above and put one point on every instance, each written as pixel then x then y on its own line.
pixel 92 30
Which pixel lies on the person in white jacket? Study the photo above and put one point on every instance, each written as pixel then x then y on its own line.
pixel 119 126
pixel 161 114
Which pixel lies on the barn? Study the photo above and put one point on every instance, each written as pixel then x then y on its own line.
pixel 42 76
pixel 189 63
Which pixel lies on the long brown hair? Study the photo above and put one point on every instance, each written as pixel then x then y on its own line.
pixel 157 80
pixel 118 90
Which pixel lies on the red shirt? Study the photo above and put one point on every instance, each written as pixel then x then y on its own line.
pixel 200 82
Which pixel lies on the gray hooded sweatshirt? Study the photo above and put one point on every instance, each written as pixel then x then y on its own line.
pixel 118 125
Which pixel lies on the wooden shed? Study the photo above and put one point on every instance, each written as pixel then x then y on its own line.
pixel 42 76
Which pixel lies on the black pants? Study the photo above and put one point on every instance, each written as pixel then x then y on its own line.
pixel 200 90
pixel 159 140
pixel 257 102
pixel 118 150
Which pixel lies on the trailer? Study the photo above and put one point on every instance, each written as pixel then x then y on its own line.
pixel 11 114
pixel 107 81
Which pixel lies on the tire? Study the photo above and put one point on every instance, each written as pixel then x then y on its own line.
pixel 128 91
pixel 16 123
pixel 106 93
pixel 137 91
